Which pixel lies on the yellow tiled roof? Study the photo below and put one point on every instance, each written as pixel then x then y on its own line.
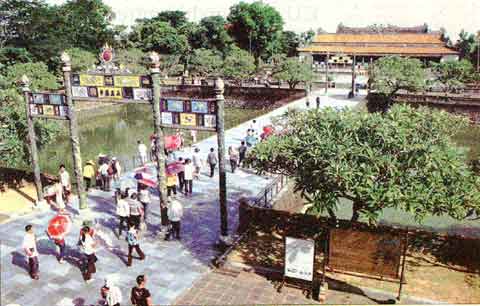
pixel 379 38
pixel 361 50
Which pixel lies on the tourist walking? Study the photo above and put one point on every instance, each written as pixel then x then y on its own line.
pixel 142 152
pixel 188 175
pixel 59 197
pixel 233 156
pixel 105 177
pixel 193 133
pixel 29 246
pixel 171 184
pixel 318 102
pixel 123 212
pixel 212 161
pixel 144 198
pixel 307 102
pixel 65 181
pixel 88 174
pixel 116 169
pixel 197 162
pixel 132 240
pixel 181 173
pixel 87 244
pixel 111 293
pixel 175 214
pixel 60 245
pixel 140 296
pixel 136 210
pixel 242 151
pixel 179 135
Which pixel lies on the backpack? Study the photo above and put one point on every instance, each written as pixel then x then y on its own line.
pixel 110 170
pixel 131 238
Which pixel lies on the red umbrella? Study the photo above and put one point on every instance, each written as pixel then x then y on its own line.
pixel 174 168
pixel 172 142
pixel 59 226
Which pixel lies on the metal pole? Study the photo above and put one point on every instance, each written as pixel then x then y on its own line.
pixel 402 276
pixel 32 140
pixel 326 73
pixel 219 90
pixel 353 74
pixel 160 146
pixel 77 158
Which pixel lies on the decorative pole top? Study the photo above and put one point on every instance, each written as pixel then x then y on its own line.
pixel 154 62
pixel 219 85
pixel 67 61
pixel 25 82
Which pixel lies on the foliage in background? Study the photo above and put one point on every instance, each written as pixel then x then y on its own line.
pixel 467 45
pixel 403 159
pixel 452 75
pixel 82 60
pixel 238 66
pixel 205 63
pixel 13 123
pixel 255 26
pixel 214 35
pixel 135 60
pixel 294 72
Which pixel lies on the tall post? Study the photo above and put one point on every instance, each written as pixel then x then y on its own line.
pixel 219 90
pixel 326 72
pixel 159 143
pixel 73 125
pixel 354 62
pixel 32 140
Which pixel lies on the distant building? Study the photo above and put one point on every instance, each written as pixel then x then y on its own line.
pixel 371 43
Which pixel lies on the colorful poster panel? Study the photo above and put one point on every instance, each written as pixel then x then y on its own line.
pixel 175 106
pixel 39 99
pixel 79 92
pixel 167 118
pixel 210 121
pixel 93 92
pixel 56 99
pixel 212 107
pixel 92 80
pixel 126 81
pixel 48 110
pixel 142 94
pixel 75 80
pixel 146 81
pixel 33 109
pixel 127 92
pixel 109 80
pixel 200 107
pixel 63 111
pixel 110 92
pixel 188 119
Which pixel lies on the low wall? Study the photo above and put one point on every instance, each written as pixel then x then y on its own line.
pixel 13 177
pixel 459 252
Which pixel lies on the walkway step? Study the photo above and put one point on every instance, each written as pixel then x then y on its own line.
pixel 229 272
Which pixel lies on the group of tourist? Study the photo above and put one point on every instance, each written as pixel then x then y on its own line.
pixel 108 170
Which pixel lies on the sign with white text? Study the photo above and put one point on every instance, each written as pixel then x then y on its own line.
pixel 299 258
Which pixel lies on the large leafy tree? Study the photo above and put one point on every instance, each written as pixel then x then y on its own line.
pixel 452 75
pixel 214 35
pixel 175 18
pixel 255 26
pixel 289 43
pixel 467 46
pixel 394 73
pixel 206 63
pixel 82 60
pixel 404 159
pixel 159 36
pixel 13 123
pixel 135 60
pixel 239 65
pixel 293 71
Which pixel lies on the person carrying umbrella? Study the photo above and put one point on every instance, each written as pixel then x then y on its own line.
pixel 58 227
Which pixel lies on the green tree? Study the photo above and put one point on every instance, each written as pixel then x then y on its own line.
pixel 289 43
pixel 135 60
pixel 394 73
pixel 404 159
pixel 13 122
pixel 214 35
pixel 467 46
pixel 82 60
pixel 307 37
pixel 239 65
pixel 159 36
pixel 11 56
pixel 176 19
pixel 294 72
pixel 255 27
pixel 206 63
pixel 452 75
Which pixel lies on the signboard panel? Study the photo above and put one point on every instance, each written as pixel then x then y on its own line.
pixel 110 92
pixel 196 113
pixel 299 258
pixel 48 104
pixel 91 80
pixel 126 81
pixel 377 254
pixel 188 119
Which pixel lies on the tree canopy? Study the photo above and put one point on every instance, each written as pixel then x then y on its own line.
pixel 293 71
pixel 255 26
pixel 404 159
pixel 205 63
pixel 239 65
pixel 452 75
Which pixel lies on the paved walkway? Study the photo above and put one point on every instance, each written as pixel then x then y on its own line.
pixel 171 267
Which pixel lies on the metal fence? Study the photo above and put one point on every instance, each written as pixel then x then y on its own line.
pixel 266 198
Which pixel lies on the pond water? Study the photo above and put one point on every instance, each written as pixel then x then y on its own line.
pixel 116 134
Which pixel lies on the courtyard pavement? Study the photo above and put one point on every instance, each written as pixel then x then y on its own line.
pixel 171 267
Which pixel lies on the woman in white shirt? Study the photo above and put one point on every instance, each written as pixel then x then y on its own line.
pixel 189 174
pixel 123 212
pixel 88 245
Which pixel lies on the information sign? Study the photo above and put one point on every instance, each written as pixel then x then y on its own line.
pixel 189 113
pixel 299 258
pixel 48 104
pixel 91 80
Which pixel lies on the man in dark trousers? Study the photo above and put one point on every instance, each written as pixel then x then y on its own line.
pixel 318 102
pixel 242 150
pixel 181 173
pixel 212 161
pixel 30 247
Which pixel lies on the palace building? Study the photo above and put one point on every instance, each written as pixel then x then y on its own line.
pixel 365 45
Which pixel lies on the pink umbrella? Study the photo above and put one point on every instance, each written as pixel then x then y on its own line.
pixel 145 176
pixel 172 142
pixel 174 168
pixel 59 226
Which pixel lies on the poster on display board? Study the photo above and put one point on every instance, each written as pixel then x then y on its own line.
pixel 299 258
pixel 91 80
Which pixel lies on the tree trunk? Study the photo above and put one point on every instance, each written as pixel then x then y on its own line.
pixel 333 217
pixel 355 215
